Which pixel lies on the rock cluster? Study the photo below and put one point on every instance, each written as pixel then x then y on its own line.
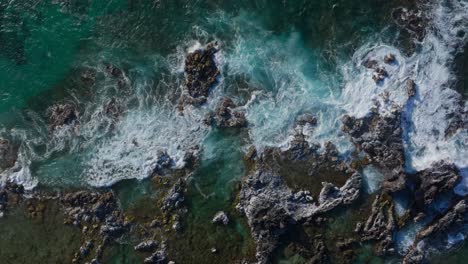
pixel 441 177
pixel 201 73
pixel 62 115
pixel 379 226
pixel 146 245
pixel 271 207
pixel 433 237
pixel 225 115
pixel 10 195
pixel 98 214
pixel 8 154
pixel 412 20
pixel 380 137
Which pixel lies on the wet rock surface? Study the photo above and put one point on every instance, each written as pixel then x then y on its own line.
pixel 412 20
pixel 272 207
pixel 63 114
pixel 380 137
pixel 8 154
pixel 226 115
pixel 433 238
pixel 379 226
pixel 440 178
pixel 201 73
pixel 220 218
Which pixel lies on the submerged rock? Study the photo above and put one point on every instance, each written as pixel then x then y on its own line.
pixel 8 154
pixel 379 226
pixel 62 115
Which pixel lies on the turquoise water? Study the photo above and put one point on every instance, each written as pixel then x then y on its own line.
pixel 292 55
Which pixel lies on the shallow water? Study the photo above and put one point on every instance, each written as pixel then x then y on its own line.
pixel 279 58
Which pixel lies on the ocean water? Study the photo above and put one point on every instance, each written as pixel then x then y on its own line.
pixel 278 59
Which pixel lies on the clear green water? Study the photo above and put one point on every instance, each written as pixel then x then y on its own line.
pixel 45 46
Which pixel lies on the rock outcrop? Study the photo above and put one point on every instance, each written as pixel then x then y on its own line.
pixel 441 177
pixel 434 236
pixel 379 226
pixel 8 154
pixel 412 20
pixel 62 115
pixel 201 73
pixel 226 115
pixel 380 137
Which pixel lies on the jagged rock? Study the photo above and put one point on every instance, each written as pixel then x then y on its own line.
pixel 225 116
pixel 62 115
pixel 370 64
pixel 379 74
pixel 433 237
pixel 201 72
pixel 147 245
pixel 389 58
pixel 163 164
pixel 380 137
pixel 8 154
pixel 439 178
pixel 158 257
pixel 175 198
pixel 10 195
pixel 270 206
pixel 220 218
pixel 379 226
pixel 412 21
pixel 319 253
pixel 332 196
pixel 93 208
pixel 410 88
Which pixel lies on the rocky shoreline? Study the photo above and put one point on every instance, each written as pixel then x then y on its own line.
pixel 291 198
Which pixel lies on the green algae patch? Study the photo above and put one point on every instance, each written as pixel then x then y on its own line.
pixel 37 237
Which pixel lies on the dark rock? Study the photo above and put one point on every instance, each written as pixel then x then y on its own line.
pixel 412 20
pixel 96 209
pixel 370 64
pixel 175 198
pixel 433 237
pixel 410 88
pixel 380 137
pixel 220 218
pixel 62 115
pixel 270 206
pixel 390 58
pixel 8 154
pixel 379 75
pixel 147 245
pixel 379 226
pixel 441 177
pixel 226 117
pixel 158 257
pixel 201 72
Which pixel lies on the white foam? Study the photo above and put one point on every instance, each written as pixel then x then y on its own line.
pixel 372 179
pixel 141 138
pixel 427 117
